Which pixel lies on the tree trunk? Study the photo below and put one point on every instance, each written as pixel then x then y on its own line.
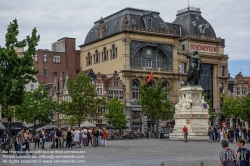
pixel 157 130
pixel 34 127
pixel 9 126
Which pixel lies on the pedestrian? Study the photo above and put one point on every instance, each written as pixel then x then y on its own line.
pixel 69 138
pixel 211 133
pixel 37 139
pixel 237 133
pixel 185 133
pixel 147 134
pixel 19 140
pixel 76 137
pixel 231 134
pixel 27 141
pixel 227 155
pixel 4 136
pixel 89 136
pixel 215 133
pixel 221 133
pixel 99 137
pixel 84 137
pixel 243 153
pixel 43 137
pixel 104 136
pixel 244 131
pixel 59 135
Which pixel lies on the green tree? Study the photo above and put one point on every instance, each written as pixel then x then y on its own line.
pixel 37 105
pixel 232 108
pixel 15 71
pixel 245 115
pixel 155 103
pixel 211 112
pixel 115 115
pixel 83 96
pixel 98 108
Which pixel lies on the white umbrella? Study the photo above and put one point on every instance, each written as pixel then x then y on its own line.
pixel 87 124
pixel 47 127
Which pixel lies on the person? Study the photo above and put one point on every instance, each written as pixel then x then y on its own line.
pixel 84 137
pixel 4 136
pixel 249 134
pixel 43 137
pixel 147 134
pixel 227 155
pixel 37 139
pixel 89 137
pixel 104 136
pixel 221 130
pixel 69 138
pixel 76 137
pixel 185 133
pixel 27 140
pixel 237 133
pixel 231 134
pixel 244 131
pixel 59 135
pixel 195 69
pixel 211 133
pixel 19 140
pixel 243 153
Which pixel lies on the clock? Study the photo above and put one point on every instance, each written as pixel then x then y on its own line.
pixel 149 52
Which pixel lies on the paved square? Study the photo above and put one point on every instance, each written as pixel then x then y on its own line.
pixel 141 152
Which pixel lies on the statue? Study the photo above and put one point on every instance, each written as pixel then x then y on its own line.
pixel 195 69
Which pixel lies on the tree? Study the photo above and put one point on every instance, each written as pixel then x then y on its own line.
pixel 245 115
pixel 212 113
pixel 83 96
pixel 232 108
pixel 37 105
pixel 15 71
pixel 98 108
pixel 155 103
pixel 115 115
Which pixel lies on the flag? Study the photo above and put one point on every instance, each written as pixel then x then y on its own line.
pixel 150 77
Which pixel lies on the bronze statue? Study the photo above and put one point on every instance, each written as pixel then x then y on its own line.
pixel 195 69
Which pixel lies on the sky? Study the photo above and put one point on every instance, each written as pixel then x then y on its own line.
pixel 55 19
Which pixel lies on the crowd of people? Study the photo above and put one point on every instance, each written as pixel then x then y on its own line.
pixel 216 133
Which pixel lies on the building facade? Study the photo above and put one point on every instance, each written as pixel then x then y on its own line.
pixel 134 41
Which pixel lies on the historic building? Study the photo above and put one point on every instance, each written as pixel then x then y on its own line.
pixel 134 41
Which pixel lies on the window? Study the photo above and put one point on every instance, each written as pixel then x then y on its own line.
pixel 36 58
pixel 221 90
pixel 165 88
pixel 115 80
pixel 135 87
pixel 45 72
pixel 99 121
pixel 183 67
pixel 149 23
pixel 183 47
pixel 113 52
pixel 88 59
pixel 244 90
pixel 45 58
pixel 32 87
pixel 99 89
pixel 56 58
pixel 121 94
pixel 97 56
pixel 238 91
pixel 105 52
pixel 222 71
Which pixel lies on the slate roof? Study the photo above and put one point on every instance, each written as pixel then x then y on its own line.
pixel 114 23
pixel 192 22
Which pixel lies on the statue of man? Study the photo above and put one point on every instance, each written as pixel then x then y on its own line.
pixel 195 69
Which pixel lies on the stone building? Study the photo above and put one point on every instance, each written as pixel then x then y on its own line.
pixel 134 41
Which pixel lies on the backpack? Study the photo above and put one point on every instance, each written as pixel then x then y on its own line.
pixel 88 133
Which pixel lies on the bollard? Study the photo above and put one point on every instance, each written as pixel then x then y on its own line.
pixel 201 164
pixel 162 164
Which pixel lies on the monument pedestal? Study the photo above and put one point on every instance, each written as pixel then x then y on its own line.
pixel 192 112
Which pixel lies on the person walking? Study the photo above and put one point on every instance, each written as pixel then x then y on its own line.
pixel 211 133
pixel 185 133
pixel 237 133
pixel 19 140
pixel 4 136
pixel 84 137
pixel 76 137
pixel 69 138
pixel 37 139
pixel 231 134
pixel 104 136
pixel 27 141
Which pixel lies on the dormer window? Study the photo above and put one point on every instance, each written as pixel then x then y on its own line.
pixel 148 19
pixel 149 23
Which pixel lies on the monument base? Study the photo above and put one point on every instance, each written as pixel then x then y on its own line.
pixel 192 112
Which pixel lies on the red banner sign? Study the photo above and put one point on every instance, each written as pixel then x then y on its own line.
pixel 202 47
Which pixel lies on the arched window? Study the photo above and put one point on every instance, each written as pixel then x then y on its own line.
pixel 36 58
pixel 135 87
pixel 96 56
pixel 88 59
pixel 105 56
pixel 45 58
pixel 151 83
pixel 165 87
pixel 114 51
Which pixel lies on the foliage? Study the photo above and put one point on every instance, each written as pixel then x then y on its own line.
pixel 98 108
pixel 83 96
pixel 232 108
pixel 115 114
pixel 245 115
pixel 37 105
pixel 155 103
pixel 211 112
pixel 15 71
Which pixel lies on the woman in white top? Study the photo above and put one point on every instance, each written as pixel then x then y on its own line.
pixel 84 137
pixel 76 137
pixel 221 130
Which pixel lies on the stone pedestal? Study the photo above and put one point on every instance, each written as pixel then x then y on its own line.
pixel 192 112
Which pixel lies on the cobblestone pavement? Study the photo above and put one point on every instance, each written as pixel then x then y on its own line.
pixel 141 152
